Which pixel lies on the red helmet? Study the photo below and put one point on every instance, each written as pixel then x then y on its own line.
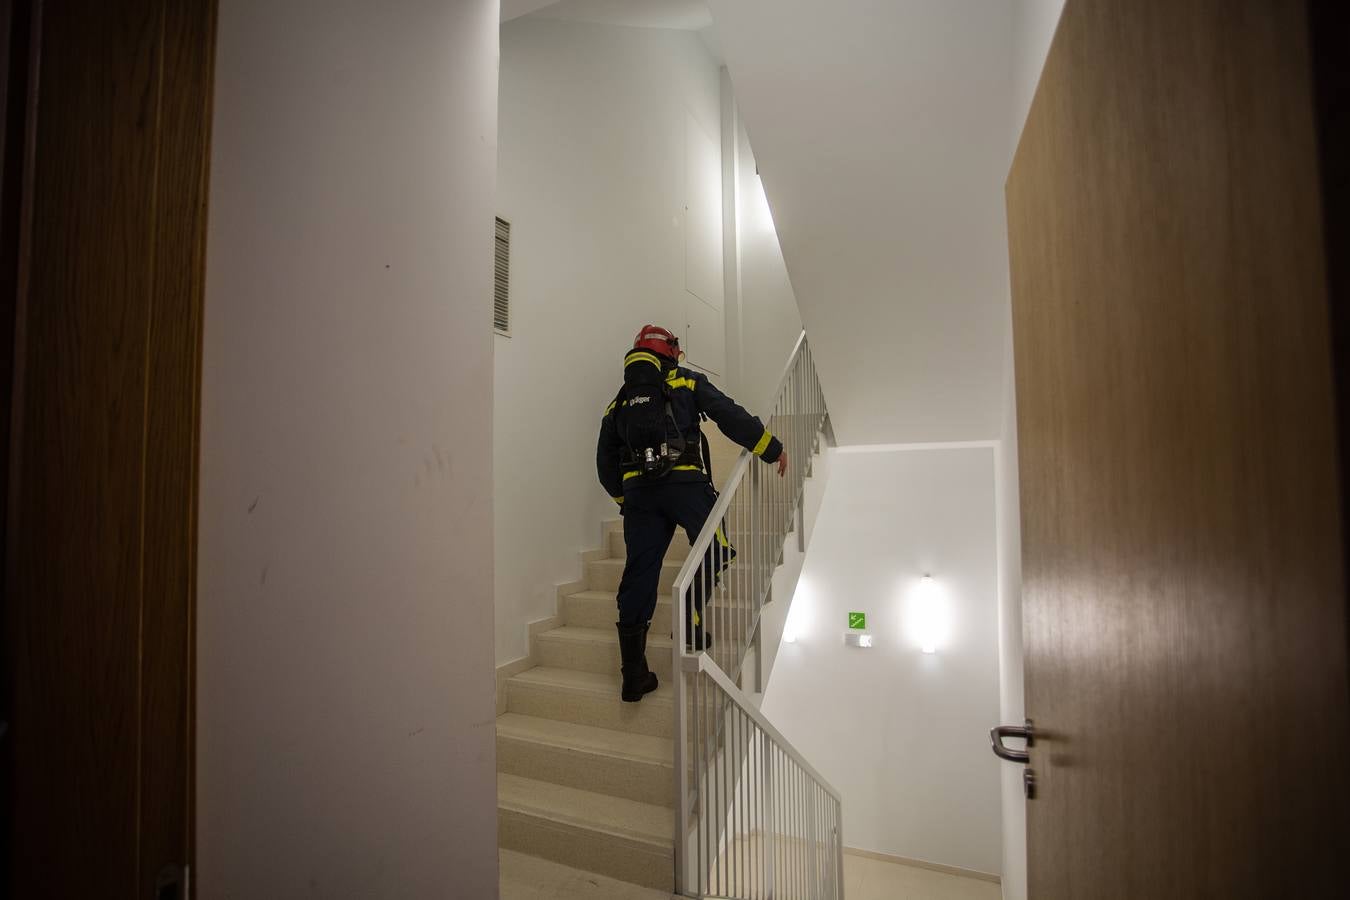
pixel 658 340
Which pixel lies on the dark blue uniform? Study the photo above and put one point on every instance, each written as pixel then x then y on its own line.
pixel 682 498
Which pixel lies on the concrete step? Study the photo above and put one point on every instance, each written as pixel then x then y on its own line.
pixel 605 574
pixel 630 766
pixel 598 609
pixel 678 552
pixel 588 698
pixel 679 547
pixel 597 650
pixel 620 838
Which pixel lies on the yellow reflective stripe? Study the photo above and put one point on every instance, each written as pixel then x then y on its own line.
pixel 642 356
pixel 636 472
pixel 681 383
pixel 722 538
pixel 609 409
pixel 618 499
pixel 698 620
pixel 763 443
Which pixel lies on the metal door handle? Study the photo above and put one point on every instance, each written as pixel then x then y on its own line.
pixel 996 736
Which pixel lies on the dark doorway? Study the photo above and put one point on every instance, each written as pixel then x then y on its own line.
pixel 106 122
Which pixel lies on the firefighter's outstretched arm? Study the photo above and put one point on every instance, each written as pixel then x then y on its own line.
pixel 739 425
pixel 607 465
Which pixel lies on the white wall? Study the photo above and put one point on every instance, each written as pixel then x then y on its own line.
pixel 774 616
pixel 1012 708
pixel 345 694
pixel 902 734
pixel 1034 23
pixel 763 321
pixel 594 133
pixel 770 322
pixel 881 132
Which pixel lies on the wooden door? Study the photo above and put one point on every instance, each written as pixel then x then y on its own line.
pixel 110 162
pixel 1184 592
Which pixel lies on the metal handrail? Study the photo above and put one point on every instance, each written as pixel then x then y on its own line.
pixel 701 664
pixel 742 465
pixel 753 818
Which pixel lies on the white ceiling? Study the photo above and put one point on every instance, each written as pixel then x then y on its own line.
pixel 881 132
pixel 687 15
pixel 514 9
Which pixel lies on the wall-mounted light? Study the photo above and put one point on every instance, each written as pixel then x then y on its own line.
pixel 798 616
pixel 929 619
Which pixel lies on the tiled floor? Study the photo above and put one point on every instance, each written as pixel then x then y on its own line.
pixel 870 879
pixel 528 878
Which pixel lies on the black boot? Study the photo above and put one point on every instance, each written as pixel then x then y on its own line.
pixel 698 639
pixel 696 636
pixel 637 678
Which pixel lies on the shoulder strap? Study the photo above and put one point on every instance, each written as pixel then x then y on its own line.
pixel 707 458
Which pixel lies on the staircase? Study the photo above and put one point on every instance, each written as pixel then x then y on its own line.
pixel 589 781
pixel 583 778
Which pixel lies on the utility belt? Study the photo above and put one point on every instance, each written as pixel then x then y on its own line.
pixel 691 455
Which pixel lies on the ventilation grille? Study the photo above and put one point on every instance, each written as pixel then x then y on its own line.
pixel 501 281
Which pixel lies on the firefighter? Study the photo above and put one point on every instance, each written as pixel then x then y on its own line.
pixel 651 457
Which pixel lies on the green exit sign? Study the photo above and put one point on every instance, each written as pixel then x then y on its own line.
pixel 857 620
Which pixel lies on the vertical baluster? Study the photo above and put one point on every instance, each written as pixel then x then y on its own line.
pixel 714 801
pixel 757 813
pixel 766 814
pixel 733 858
pixel 784 810
pixel 802 869
pixel 699 777
pixel 748 810
pixel 789 860
pixel 680 730
pixel 705 817
pixel 740 809
pixel 817 808
pixel 790 828
pixel 797 832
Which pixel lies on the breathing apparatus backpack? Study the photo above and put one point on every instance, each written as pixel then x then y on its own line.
pixel 652 439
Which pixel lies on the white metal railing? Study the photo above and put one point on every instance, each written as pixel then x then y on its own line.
pixel 753 819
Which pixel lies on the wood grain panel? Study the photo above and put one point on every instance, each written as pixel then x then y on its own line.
pixel 99 581
pixel 77 570
pixel 173 391
pixel 1331 75
pixel 1183 583
pixel 16 35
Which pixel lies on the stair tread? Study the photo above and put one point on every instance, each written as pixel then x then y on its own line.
pixel 582 634
pixel 610 596
pixel 618 562
pixel 628 819
pixel 588 682
pixel 662 599
pixel 586 738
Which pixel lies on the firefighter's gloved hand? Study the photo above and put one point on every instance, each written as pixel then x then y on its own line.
pixel 782 464
pixel 619 502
